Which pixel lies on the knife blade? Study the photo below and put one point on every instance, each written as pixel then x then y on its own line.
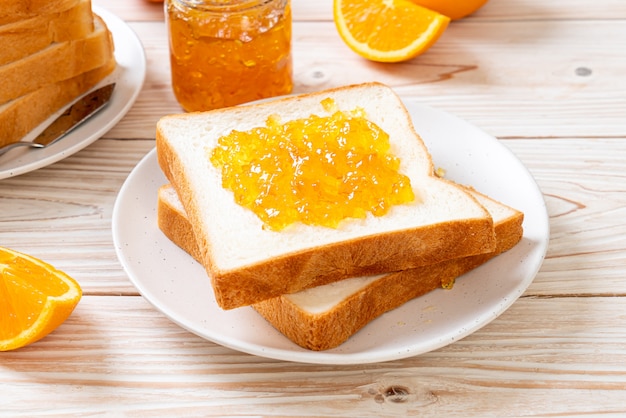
pixel 76 114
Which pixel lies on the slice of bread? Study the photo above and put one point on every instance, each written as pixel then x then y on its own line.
pixel 248 263
pixel 20 116
pixel 326 316
pixel 15 10
pixel 25 37
pixel 57 62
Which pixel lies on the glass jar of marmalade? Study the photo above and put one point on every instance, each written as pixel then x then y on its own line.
pixel 228 52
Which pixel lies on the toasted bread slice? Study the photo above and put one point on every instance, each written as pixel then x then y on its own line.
pixel 20 116
pixel 248 263
pixel 25 37
pixel 16 10
pixel 326 316
pixel 57 62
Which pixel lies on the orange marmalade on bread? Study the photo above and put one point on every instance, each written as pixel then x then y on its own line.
pixel 318 170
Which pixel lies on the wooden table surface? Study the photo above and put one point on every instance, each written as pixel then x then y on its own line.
pixel 548 78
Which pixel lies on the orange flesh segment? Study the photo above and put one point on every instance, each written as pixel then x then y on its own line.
pixel 388 30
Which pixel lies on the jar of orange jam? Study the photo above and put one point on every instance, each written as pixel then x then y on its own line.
pixel 228 52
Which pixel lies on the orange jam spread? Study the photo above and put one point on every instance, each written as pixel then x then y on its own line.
pixel 318 170
pixel 447 284
pixel 237 52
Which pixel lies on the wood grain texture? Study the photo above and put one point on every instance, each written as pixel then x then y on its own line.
pixel 320 10
pixel 62 213
pixel 99 362
pixel 493 74
pixel 546 78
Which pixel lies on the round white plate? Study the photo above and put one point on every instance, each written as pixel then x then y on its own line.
pixel 179 287
pixel 128 76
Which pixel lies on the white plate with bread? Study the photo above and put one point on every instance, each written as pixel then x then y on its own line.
pixel 128 75
pixel 169 278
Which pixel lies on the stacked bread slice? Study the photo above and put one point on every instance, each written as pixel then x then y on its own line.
pixel 324 317
pixel 51 52
pixel 318 285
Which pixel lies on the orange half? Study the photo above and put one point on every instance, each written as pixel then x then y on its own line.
pixel 387 30
pixel 35 298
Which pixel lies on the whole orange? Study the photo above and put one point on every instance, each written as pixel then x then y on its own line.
pixel 454 9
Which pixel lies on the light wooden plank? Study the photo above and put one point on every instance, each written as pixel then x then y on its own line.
pixel 133 10
pixel 322 10
pixel 117 354
pixel 62 213
pixel 546 77
pixel 509 84
pixel 584 186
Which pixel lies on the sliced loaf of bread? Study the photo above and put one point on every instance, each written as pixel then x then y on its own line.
pixel 57 62
pixel 25 37
pixel 16 10
pixel 20 116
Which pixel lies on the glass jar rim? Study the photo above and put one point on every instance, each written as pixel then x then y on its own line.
pixel 224 5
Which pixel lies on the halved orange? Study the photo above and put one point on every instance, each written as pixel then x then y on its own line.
pixel 35 298
pixel 454 9
pixel 387 30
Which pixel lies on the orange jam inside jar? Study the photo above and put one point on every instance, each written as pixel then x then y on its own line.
pixel 318 170
pixel 224 53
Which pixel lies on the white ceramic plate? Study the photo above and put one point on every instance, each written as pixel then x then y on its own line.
pixel 128 76
pixel 177 286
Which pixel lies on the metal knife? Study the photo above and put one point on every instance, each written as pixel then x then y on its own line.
pixel 80 111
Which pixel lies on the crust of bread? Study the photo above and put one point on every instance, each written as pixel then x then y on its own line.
pixel 59 61
pixel 334 262
pixel 332 327
pixel 15 10
pixel 28 36
pixel 366 254
pixel 22 115
pixel 173 222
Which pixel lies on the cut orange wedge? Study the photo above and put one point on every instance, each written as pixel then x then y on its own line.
pixel 387 30
pixel 35 298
